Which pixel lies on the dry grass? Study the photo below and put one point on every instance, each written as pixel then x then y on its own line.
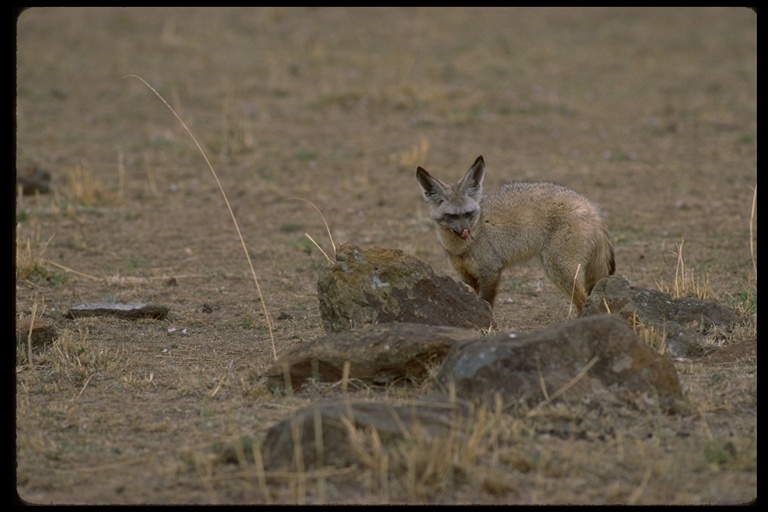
pixel 413 157
pixel 30 262
pixel 652 336
pixel 423 467
pixel 685 282
pixel 84 189
pixel 80 191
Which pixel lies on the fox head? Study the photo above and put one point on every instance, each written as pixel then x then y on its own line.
pixel 455 207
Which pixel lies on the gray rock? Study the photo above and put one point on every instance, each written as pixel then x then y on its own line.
pixel 381 285
pixel 684 320
pixel 521 366
pixel 127 311
pixel 378 354
pixel 327 433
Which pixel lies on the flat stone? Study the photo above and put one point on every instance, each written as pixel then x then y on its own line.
pixel 126 311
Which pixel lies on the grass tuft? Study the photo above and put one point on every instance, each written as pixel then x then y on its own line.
pixel 685 283
pixel 30 263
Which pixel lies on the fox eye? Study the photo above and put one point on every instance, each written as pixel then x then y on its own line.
pixel 457 216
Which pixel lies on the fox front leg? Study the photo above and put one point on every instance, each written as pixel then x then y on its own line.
pixel 488 286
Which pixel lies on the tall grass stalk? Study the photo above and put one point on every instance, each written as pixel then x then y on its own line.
pixel 229 208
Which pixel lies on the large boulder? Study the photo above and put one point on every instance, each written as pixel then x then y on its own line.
pixel 567 361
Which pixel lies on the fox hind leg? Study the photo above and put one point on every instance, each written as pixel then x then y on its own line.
pixel 568 276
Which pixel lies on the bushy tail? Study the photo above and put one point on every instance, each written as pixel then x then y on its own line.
pixel 601 263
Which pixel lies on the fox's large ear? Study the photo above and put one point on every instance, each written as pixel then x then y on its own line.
pixel 472 183
pixel 431 189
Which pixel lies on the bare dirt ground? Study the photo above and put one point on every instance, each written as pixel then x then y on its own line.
pixel 649 112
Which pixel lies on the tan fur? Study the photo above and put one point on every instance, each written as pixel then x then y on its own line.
pixel 520 221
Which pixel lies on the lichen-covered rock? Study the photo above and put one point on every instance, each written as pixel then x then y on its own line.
pixel 381 285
